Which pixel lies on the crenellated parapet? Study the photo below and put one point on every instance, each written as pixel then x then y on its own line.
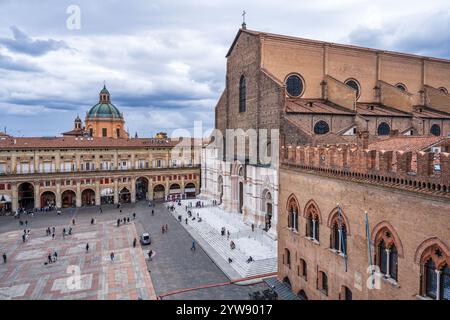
pixel 421 171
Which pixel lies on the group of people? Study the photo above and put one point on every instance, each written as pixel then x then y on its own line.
pixel 26 235
pixel 224 231
pixel 52 258
pixel 125 220
pixel 164 228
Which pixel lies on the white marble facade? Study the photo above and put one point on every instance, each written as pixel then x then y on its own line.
pixel 249 190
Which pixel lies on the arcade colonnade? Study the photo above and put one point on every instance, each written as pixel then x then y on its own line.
pixel 89 191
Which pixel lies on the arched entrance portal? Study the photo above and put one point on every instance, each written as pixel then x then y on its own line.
pixel 174 191
pixel 267 206
pixel 88 197
pixel 189 190
pixel 68 199
pixel 158 192
pixel 107 196
pixel 125 196
pixel 48 199
pixel 26 195
pixel 5 203
pixel 141 188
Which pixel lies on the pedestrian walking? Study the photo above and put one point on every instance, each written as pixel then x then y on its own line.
pixel 23 237
pixel 73 221
pixel 193 246
pixel 87 247
pixel 162 229
pixel 70 230
pixel 228 234
pixel 253 227
pixel 166 228
pixel 134 215
pixel 53 236
pixel 112 256
pixel 55 255
pixel 153 212
pixel 54 229
pixel 92 221
pixel 118 222
pixel 134 243
pixel 128 220
pixel 4 257
pixel 186 220
pixel 49 257
pixel 150 254
pixel 101 210
pixel 26 222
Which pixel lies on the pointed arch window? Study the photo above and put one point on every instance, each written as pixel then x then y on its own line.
pixel 435 279
pixel 293 215
pixel 338 239
pixel 242 94
pixel 312 222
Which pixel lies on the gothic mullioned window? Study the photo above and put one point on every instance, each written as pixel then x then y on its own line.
pixel 383 129
pixel 386 257
pixel 242 94
pixel 435 273
pixel 352 83
pixel 294 85
pixel 312 222
pixel 435 130
pixel 292 214
pixel 321 127
pixel 338 239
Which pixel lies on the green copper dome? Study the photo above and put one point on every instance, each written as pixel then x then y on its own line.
pixel 104 109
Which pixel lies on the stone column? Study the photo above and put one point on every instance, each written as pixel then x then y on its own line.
pixel 438 282
pixel 58 194
pixel 37 198
pixel 116 191
pixel 388 273
pixel 97 192
pixel 150 189
pixel 133 190
pixel 78 195
pixel 14 197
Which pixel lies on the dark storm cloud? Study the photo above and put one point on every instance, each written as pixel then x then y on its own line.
pixel 22 43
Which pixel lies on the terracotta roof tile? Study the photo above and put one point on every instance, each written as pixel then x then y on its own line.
pixel 74 142
pixel 405 143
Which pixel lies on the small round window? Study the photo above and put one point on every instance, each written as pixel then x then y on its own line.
pixel 435 130
pixel 444 90
pixel 294 85
pixel 401 86
pixel 355 85
pixel 321 127
pixel 383 129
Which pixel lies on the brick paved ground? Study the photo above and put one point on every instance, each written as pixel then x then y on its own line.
pixel 174 267
pixel 25 276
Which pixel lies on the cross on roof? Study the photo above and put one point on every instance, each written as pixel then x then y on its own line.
pixel 244 25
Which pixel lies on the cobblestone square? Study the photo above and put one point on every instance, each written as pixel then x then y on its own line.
pixel 28 275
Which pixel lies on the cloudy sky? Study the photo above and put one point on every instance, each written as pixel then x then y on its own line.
pixel 164 61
